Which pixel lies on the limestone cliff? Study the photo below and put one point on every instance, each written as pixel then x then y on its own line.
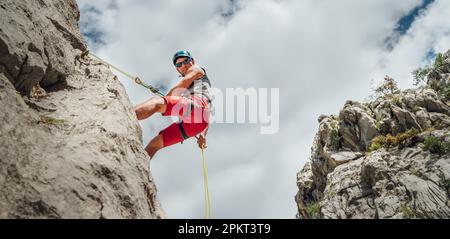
pixel 70 143
pixel 389 158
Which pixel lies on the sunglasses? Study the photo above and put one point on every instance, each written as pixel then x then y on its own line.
pixel 179 64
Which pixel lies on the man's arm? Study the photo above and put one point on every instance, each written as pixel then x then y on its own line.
pixel 193 73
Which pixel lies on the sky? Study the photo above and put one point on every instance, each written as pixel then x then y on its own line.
pixel 317 53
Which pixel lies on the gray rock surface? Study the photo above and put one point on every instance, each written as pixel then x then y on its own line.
pixel 346 178
pixel 389 184
pixel 38 41
pixel 71 146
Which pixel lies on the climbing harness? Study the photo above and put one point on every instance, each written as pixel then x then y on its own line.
pixel 136 79
pixel 183 132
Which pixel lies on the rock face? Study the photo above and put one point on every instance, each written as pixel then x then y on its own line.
pixel 389 158
pixel 71 146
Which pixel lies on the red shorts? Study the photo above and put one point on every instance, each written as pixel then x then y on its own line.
pixel 193 119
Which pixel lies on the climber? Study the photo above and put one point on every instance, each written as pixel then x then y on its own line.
pixel 189 99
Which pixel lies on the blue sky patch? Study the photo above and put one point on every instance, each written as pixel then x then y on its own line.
pixel 431 55
pixel 405 23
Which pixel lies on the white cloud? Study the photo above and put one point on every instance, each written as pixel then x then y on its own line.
pixel 319 53
pixel 430 31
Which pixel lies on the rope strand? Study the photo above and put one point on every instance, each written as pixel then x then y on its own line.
pixel 206 188
pixel 136 79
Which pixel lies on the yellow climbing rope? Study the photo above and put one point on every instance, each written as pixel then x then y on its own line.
pixel 206 188
pixel 136 79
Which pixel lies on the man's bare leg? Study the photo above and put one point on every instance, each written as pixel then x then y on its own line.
pixel 154 145
pixel 149 107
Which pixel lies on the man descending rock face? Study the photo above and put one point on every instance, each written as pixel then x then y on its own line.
pixel 190 100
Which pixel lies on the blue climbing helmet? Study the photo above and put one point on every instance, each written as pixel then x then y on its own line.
pixel 181 54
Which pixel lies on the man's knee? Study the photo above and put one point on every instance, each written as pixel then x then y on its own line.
pixel 154 145
pixel 151 150
pixel 158 103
